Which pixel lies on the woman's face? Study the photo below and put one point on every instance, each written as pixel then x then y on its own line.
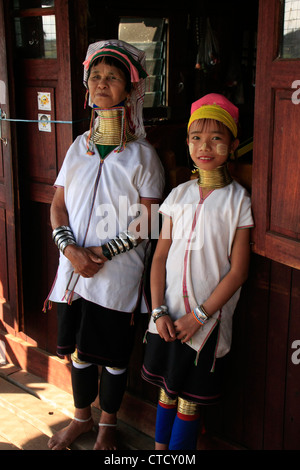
pixel 210 144
pixel 107 85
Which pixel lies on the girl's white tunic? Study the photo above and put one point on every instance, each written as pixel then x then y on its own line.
pixel 199 256
pixel 102 198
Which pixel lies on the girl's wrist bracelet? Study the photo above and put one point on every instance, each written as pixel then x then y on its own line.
pixel 200 314
pixel 159 312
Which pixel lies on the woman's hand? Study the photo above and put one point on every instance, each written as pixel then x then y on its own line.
pixel 165 328
pixel 84 261
pixel 186 327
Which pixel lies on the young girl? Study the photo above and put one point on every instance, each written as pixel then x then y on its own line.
pixel 199 265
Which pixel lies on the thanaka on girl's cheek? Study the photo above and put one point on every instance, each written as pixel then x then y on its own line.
pixel 222 149
pixel 191 147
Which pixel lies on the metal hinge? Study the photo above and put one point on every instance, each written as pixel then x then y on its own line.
pixel 2 116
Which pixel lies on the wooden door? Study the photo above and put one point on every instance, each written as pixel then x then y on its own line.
pixel 42 48
pixel 46 43
pixel 10 298
pixel 49 92
pixel 276 162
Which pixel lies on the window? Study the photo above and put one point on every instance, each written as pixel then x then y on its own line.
pixel 290 42
pixel 35 29
pixel 149 35
pixel 27 4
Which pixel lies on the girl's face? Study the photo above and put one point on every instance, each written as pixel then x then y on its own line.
pixel 107 85
pixel 210 144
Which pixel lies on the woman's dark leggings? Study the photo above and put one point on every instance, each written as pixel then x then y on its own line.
pixel 111 391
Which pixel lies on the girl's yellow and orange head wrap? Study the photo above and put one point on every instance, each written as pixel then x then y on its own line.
pixel 217 107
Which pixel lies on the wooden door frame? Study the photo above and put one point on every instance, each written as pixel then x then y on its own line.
pixel 272 73
pixel 9 187
pixel 21 349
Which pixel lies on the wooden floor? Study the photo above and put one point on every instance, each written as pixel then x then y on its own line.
pixel 31 411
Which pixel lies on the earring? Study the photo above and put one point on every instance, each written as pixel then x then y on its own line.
pixel 196 169
pixel 127 102
pixel 86 98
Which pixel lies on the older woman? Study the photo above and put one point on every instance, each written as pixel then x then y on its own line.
pixel 100 217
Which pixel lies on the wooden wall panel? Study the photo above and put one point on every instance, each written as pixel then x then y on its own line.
pixel 277 350
pixel 3 258
pixel 285 191
pixel 240 418
pixel 275 188
pixel 8 299
pixel 1 162
pixel 40 145
pixel 253 346
pixel 39 326
pixel 291 437
pixel 260 410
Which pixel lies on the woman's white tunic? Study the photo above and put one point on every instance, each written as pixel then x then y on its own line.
pixel 102 199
